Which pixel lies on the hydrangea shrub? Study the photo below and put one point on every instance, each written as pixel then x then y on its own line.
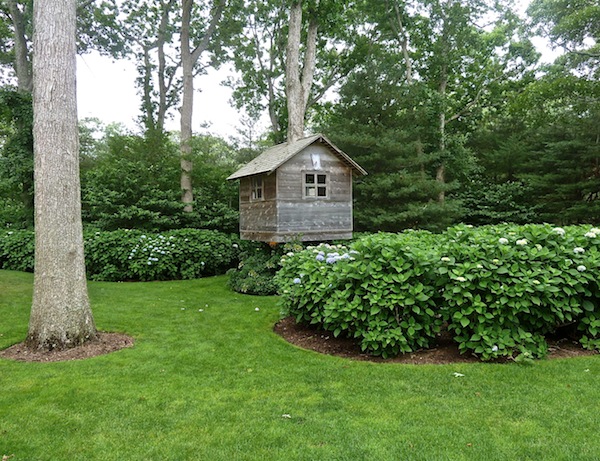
pixel 172 255
pixel 132 255
pixel 379 291
pixel 499 290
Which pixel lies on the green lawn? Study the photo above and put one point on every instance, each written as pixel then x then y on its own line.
pixel 220 385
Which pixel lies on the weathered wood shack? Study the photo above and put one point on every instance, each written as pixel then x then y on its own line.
pixel 299 191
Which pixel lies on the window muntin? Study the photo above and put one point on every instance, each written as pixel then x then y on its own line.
pixel 315 185
pixel 256 188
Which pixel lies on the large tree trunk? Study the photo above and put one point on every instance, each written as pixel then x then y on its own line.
pixel 22 64
pixel 60 315
pixel 299 79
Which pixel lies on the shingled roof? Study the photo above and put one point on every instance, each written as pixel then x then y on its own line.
pixel 274 157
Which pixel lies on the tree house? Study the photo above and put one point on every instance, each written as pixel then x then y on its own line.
pixel 301 191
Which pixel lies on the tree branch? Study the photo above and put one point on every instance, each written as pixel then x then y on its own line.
pixel 214 21
pixel 469 105
pixel 310 58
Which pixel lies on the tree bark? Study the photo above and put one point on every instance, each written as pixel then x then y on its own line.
pixel 268 77
pixel 163 84
pixel 299 79
pixel 402 36
pixel 189 59
pixel 440 175
pixel 148 107
pixel 60 315
pixel 22 63
pixel 187 108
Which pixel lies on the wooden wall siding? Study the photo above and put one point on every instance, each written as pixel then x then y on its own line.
pixel 314 215
pixel 289 175
pixel 286 215
pixel 311 236
pixel 258 216
pixel 245 188
pixel 269 188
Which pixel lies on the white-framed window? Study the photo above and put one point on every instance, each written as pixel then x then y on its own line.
pixel 256 188
pixel 315 185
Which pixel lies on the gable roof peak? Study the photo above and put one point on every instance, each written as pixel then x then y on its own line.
pixel 275 156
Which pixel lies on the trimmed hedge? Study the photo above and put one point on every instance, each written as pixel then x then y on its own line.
pixel 133 255
pixel 500 290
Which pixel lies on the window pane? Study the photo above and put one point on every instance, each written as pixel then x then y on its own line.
pixel 322 179
pixel 322 192
pixel 311 191
pixel 257 188
pixel 310 179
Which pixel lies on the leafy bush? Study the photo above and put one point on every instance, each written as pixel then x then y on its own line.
pixel 506 287
pixel 373 292
pixel 132 182
pixel 17 250
pixel 136 256
pixel 256 271
pixel 498 289
pixel 171 255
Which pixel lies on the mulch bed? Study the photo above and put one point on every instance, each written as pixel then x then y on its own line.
pixel 445 352
pixel 104 343
pixel 304 336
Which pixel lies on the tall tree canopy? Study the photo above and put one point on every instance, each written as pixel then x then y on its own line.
pixel 431 71
pixel 292 52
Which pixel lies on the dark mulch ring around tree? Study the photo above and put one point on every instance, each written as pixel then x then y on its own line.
pixel 445 352
pixel 104 343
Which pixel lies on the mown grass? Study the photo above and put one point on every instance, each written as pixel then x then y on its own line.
pixel 220 385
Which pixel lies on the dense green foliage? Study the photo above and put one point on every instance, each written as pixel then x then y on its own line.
pixel 208 379
pixel 17 250
pixel 255 274
pixel 16 158
pixel 127 180
pixel 498 289
pixel 133 255
pixel 447 105
pixel 133 182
